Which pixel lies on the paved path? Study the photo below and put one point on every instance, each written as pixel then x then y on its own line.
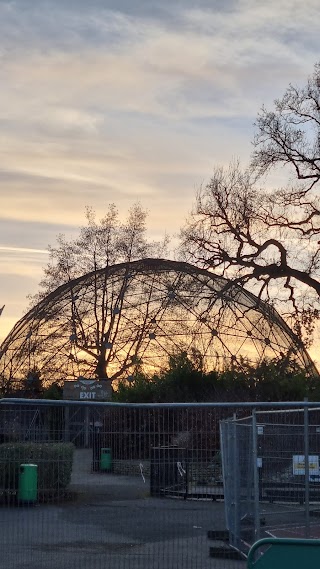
pixel 113 524
pixel 111 534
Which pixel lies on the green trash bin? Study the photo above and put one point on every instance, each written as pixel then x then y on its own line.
pixel 28 484
pixel 105 459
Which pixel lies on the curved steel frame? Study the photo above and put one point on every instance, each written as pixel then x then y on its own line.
pixel 133 315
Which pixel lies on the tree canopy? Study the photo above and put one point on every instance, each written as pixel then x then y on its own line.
pixel 99 244
pixel 288 135
pixel 263 237
pixel 183 381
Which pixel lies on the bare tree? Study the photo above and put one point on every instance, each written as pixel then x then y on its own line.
pixel 264 238
pixel 75 331
pixel 100 243
pixel 290 134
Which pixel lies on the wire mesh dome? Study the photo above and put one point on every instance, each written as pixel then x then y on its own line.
pixel 111 321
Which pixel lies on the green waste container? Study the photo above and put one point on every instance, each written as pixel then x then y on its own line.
pixel 28 483
pixel 105 459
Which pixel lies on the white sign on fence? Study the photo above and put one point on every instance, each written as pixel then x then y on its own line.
pixel 298 465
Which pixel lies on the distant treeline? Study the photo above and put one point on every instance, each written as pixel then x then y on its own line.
pixel 185 381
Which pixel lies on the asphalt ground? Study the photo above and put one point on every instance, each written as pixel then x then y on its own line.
pixel 112 523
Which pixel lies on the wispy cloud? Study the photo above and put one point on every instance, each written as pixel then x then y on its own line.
pixel 23 250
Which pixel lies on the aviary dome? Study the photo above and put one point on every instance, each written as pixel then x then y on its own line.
pixel 109 322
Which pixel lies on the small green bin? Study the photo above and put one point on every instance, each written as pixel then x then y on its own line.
pixel 28 483
pixel 105 459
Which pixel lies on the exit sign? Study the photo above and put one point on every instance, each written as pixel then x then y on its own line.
pixel 87 390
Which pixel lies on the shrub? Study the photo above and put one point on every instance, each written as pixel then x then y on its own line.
pixel 54 462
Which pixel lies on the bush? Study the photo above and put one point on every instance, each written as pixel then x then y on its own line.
pixel 270 380
pixel 54 462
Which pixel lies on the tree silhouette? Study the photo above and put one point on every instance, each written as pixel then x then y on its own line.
pixel 264 238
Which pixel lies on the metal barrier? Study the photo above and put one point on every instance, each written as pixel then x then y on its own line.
pixel 160 502
pixel 270 489
pixel 270 553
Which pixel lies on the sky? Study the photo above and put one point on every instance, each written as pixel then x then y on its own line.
pixel 118 101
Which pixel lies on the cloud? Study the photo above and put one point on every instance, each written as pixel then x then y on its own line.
pixel 19 239
pixel 22 250
pixel 112 100
pixel 148 66
pixel 78 85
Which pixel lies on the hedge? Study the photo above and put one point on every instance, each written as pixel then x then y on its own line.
pixel 54 462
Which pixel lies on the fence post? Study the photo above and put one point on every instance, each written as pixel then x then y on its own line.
pixel 66 410
pixel 306 469
pixel 235 471
pixel 255 476
pixel 86 427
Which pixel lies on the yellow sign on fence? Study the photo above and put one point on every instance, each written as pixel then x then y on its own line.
pixel 298 465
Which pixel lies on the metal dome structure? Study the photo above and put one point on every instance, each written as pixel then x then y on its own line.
pixel 108 322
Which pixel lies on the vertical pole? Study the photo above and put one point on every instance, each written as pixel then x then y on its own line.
pixel 255 476
pixel 86 426
pixel 306 469
pixel 236 494
pixel 225 462
pixel 67 424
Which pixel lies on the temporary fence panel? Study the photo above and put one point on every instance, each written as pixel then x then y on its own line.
pixel 238 481
pixel 278 490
